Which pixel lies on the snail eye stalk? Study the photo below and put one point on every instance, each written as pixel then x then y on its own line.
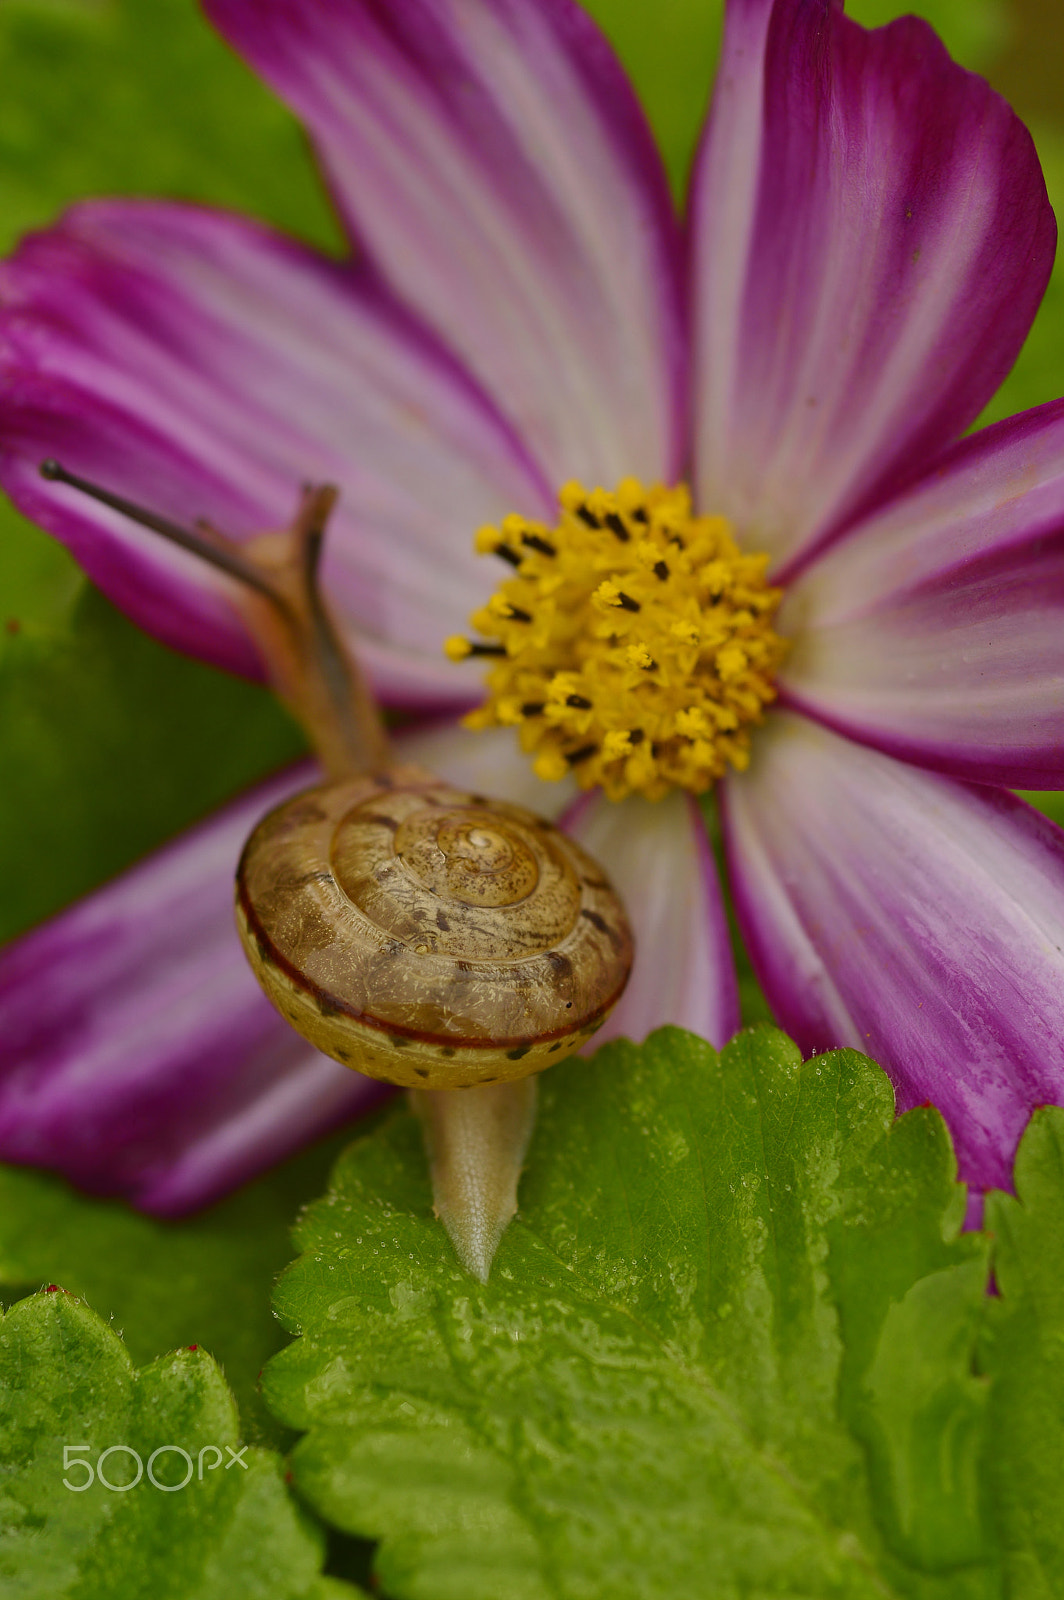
pixel 307 662
pixel 197 543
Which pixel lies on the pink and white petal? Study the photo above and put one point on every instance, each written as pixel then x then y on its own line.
pixel 659 861
pixel 871 240
pixel 935 628
pixel 911 916
pixel 491 159
pixel 205 366
pixel 490 763
pixel 138 1055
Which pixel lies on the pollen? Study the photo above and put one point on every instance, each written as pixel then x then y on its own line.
pixel 632 643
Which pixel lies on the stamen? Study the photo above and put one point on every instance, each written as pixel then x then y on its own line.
pixel 575 757
pixel 534 542
pixel 458 649
pixel 490 542
pixel 608 596
pixel 639 661
pixel 616 744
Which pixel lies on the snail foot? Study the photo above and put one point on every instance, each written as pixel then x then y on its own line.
pixel 476 1141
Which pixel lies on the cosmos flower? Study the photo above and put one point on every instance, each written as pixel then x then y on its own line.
pixel 851 625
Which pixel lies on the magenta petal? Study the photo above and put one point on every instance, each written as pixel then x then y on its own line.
pixel 935 628
pixel 914 917
pixel 207 367
pixel 660 863
pixel 138 1055
pixel 871 240
pixel 492 160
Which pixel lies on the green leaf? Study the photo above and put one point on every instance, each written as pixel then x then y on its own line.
pixel 685 1375
pixel 1024 1355
pixel 1049 801
pixel 111 744
pixel 974 31
pixel 669 50
pixel 142 97
pixel 39 581
pixel 205 1280
pixel 1038 375
pixel 68 1395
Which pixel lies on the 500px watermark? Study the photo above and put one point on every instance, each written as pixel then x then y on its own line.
pixel 75 1456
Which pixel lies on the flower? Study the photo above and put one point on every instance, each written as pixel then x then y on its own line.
pixel 867 242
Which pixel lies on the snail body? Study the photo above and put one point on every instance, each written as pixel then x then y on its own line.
pixel 426 936
pixel 417 933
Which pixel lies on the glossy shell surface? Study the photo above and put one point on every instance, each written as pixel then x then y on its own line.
pixel 427 936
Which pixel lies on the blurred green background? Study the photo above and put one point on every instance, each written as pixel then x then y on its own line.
pixel 108 742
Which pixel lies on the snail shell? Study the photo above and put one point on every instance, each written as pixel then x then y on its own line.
pixel 427 936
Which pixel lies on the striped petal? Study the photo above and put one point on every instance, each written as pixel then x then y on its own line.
pixel 935 628
pixel 490 158
pixel 911 916
pixel 204 366
pixel 871 240
pixel 660 863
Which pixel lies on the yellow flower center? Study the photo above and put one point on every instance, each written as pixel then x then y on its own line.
pixel 633 645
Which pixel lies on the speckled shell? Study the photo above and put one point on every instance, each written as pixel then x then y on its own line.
pixel 430 937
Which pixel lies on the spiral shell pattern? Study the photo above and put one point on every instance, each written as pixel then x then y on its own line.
pixel 430 937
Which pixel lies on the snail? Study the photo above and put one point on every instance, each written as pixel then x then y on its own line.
pixel 436 939
pixel 430 937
